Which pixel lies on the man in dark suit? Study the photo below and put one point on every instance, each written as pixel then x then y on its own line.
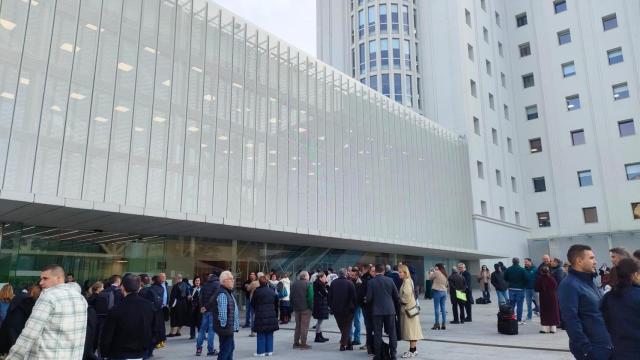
pixel 127 331
pixel 342 300
pixel 382 297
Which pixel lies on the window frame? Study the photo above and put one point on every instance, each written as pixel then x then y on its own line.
pixel 619 85
pixel 540 180
pixel 592 216
pixel 571 106
pixel 541 221
pixel 560 3
pixel 519 19
pixel 580 177
pixel 564 37
pixel 616 59
pixel 524 49
pixel 578 137
pixel 526 111
pixel 625 122
pixel 635 165
pixel 568 65
pixel 535 149
pixel 526 83
pixel 607 18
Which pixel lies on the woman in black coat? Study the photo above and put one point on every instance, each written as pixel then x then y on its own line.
pixel 19 311
pixel 265 303
pixel 320 304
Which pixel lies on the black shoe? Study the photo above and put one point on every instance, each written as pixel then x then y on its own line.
pixel 350 347
pixel 443 327
pixel 455 322
pixel 467 319
pixel 172 335
pixel 323 338
pixel 356 343
pixel 319 338
pixel 343 348
pixel 436 327
pixel 212 353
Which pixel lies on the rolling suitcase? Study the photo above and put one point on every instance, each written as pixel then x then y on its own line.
pixel 507 323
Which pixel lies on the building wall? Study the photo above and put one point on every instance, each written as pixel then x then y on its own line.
pixel 184 111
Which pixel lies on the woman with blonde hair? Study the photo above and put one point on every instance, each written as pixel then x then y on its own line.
pixel 410 329
pixel 6 295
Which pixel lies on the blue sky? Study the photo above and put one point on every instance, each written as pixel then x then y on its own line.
pixel 290 20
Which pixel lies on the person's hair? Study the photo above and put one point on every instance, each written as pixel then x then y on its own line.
pixel 622 275
pixel 636 254
pixel 321 275
pixel 272 275
pixel 497 267
pixel 379 268
pixel 131 283
pixel 197 277
pixel 330 269
pixel 544 269
pixel 156 280
pixel 395 267
pixel 620 251
pixel 404 269
pixel 355 269
pixel 263 280
pixel 387 267
pixel 528 259
pixel 54 268
pixel 575 252
pixel 6 293
pixel 365 267
pixel 454 270
pixel 225 274
pixel 114 278
pixel 303 275
pixel 144 279
pixel 94 288
pixel 462 265
pixel 484 267
pixel 34 291
pixel 515 261
pixel 442 269
pixel 343 272
pixel 70 274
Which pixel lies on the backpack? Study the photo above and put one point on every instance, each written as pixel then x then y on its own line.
pixel 151 295
pixel 282 291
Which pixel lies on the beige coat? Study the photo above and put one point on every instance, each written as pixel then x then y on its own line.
pixel 410 328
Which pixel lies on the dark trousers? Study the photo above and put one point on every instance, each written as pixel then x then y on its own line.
pixel 368 327
pixel 467 305
pixel 389 323
pixel 226 348
pixel 344 324
pixel 455 306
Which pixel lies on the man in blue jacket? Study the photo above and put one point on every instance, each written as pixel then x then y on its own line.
pixel 580 307
pixel 516 276
pixel 529 291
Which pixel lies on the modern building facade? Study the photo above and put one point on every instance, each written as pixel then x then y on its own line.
pixel 146 136
pixel 544 92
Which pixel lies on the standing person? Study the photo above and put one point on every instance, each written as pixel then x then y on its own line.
pixel 160 331
pixel 530 290
pixel 382 296
pixel 618 253
pixel 579 307
pixel 92 339
pixel 196 304
pixel 17 315
pixel 368 274
pixel 484 279
pixel 252 287
pixel 394 275
pixel 462 269
pixel 636 254
pixel 549 309
pixel 516 277
pixel 284 289
pixel 208 291
pixel 411 330
pixel 342 300
pixel 58 323
pixel 440 286
pixel 154 297
pixel 557 270
pixel 128 329
pixel 6 295
pixel 162 278
pixel 179 304
pixel 301 304
pixel 331 276
pixel 320 305
pixel 264 303
pixel 546 260
pixel 246 287
pixel 354 331
pixel 621 309
pixel 226 315
pixel 457 283
pixel 501 286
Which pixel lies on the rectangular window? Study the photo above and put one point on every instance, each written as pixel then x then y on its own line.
pixel 418 87
pixel 500 49
pixel 577 137
pixel 483 207
pixel 573 102
pixel 535 145
pixel 476 125
pixel 371 14
pixel 385 85
pixel 521 19
pixel 363 80
pixel 384 54
pixel 506 111
pixel 492 104
pixel 517 217
pixel 383 18
pixel 543 219
pixel 361 24
pixel 488 66
pixel 498 177
pixel 485 34
pixel 513 184
pixel 568 69
pixel 560 6
pixel 532 112
pixel 620 91
pixel 470 52
pixel 407 55
pixel 497 19
pixel 494 136
pixel 635 210
pixel 483 4
pixel 525 49
pixel 373 82
pixel 590 215
pixel 609 22
pixel 467 17
pixel 474 91
pixel 615 56
pixel 396 53
pixel 564 37
pixel 405 19
pixel 539 184
pixel 397 87
pixel 353 62
pixel 417 58
pixel 373 52
pixel 633 171
pixel 503 80
pixel 415 23
pixel 584 178
pixel 353 40
pixel 501 209
pixel 395 19
pixel 409 88
pixel 362 56
pixel 528 81
pixel 509 145
pixel 626 128
pixel 480 170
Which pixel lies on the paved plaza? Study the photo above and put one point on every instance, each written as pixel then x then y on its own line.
pixel 478 339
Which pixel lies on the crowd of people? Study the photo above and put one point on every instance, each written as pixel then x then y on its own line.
pixel 125 317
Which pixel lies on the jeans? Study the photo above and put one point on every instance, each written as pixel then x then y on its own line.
pixel 439 305
pixel 516 297
pixel 368 325
pixel 206 326
pixel 486 294
pixel 354 331
pixel 530 296
pixel 264 342
pixel 503 297
pixel 226 348
pixel 248 318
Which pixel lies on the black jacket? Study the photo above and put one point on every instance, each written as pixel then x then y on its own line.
pixel 91 335
pixel 342 297
pixel 362 290
pixel 467 279
pixel 208 290
pixel 457 282
pixel 107 299
pixel 265 302
pixel 127 331
pixel 320 301
pixel 17 315
pixel 498 281
pixel 382 296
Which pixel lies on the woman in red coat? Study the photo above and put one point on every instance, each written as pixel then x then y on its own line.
pixel 547 286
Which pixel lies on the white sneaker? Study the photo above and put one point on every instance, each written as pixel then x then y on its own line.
pixel 270 354
pixel 259 355
pixel 523 323
pixel 409 354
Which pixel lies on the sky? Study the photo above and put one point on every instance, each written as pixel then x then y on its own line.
pixel 291 20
